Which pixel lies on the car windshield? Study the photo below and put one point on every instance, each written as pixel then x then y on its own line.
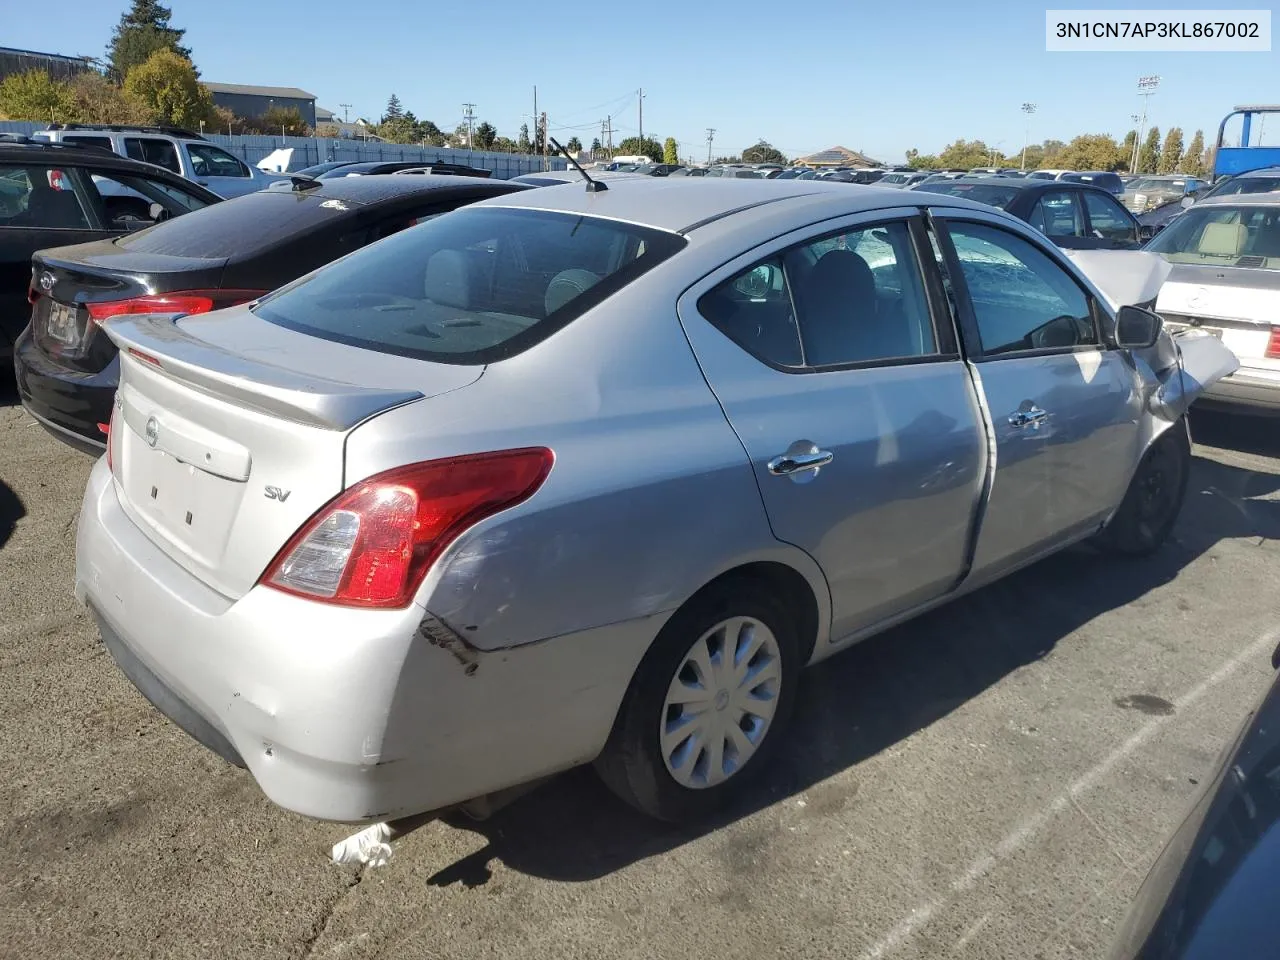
pixel 1223 235
pixel 1150 183
pixel 472 287
pixel 990 193
pixel 1243 185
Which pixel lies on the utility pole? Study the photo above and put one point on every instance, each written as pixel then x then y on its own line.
pixel 1137 140
pixel 640 101
pixel 546 162
pixel 470 118
pixel 608 124
pixel 1146 87
pixel 1028 109
pixel 345 107
pixel 535 120
pixel 711 133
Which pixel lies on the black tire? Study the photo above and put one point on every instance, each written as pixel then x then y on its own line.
pixel 1154 499
pixel 632 764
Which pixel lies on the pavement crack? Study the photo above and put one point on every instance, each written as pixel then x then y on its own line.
pixel 321 925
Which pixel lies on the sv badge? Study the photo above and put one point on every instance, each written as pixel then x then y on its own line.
pixel 275 493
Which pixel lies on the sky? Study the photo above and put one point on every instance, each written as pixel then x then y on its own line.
pixel 879 78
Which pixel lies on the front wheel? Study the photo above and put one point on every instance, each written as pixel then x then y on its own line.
pixel 708 705
pixel 1153 501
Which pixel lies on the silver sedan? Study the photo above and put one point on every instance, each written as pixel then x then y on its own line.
pixel 576 476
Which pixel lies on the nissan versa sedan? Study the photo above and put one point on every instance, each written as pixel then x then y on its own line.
pixel 574 476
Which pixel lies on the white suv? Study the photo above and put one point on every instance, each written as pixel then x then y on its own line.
pixel 185 153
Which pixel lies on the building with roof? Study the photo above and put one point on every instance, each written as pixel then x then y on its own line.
pixel 357 129
pixel 13 61
pixel 252 101
pixel 837 157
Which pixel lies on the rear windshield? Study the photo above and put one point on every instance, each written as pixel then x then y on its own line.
pixel 988 193
pixel 473 286
pixel 242 227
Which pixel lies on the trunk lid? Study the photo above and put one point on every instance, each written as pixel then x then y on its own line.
pixel 229 432
pixel 68 279
pixel 1238 305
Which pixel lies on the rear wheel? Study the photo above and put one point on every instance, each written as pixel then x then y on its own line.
pixel 708 705
pixel 1154 499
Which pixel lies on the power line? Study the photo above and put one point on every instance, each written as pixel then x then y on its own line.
pixel 345 107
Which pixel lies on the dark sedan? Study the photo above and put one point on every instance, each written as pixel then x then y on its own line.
pixel 373 167
pixel 1075 216
pixel 1212 892
pixel 233 252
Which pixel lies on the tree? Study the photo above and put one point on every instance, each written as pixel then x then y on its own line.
pixel 329 131
pixel 1149 155
pixel 397 130
pixel 424 131
pixel 283 120
pixel 634 147
pixel 486 136
pixel 522 142
pixel 965 154
pixel 574 145
pixel 763 152
pixel 461 135
pixel 670 150
pixel 1193 160
pixel 142 31
pixel 167 86
pixel 918 161
pixel 596 146
pixel 505 145
pixel 35 95
pixel 1092 151
pixel 1126 147
pixel 98 100
pixel 1171 154
pixel 394 111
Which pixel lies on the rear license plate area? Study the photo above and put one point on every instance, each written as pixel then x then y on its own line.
pixel 62 324
pixel 192 509
pixel 1175 328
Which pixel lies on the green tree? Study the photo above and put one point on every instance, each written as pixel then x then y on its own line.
pixel 921 161
pixel 1127 145
pixel 142 31
pixel 1091 151
pixel 574 145
pixel 635 147
pixel 763 152
pixel 427 132
pixel 1052 150
pixel 486 134
pixel 966 154
pixel 35 95
pixel 522 142
pixel 595 146
pixel 1171 154
pixel 670 150
pixel 398 130
pixel 283 120
pixel 98 100
pixel 1193 160
pixel 167 86
pixel 505 145
pixel 394 110
pixel 1149 155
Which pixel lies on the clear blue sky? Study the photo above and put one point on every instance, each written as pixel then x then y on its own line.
pixel 878 78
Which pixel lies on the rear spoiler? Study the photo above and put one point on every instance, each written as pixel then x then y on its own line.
pixel 158 342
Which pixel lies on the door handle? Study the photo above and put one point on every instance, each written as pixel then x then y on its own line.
pixel 790 463
pixel 1028 417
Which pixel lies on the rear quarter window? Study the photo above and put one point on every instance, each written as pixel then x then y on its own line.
pixel 476 286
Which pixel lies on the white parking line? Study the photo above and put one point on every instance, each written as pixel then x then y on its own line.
pixel 1015 840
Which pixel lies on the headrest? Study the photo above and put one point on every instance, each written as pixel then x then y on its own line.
pixel 566 285
pixel 1223 239
pixel 448 279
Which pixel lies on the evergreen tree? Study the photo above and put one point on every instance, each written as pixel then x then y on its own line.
pixel 1149 155
pixel 142 31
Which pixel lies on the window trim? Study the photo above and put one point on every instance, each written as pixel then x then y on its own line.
pixel 971 337
pixel 943 323
pixel 93 221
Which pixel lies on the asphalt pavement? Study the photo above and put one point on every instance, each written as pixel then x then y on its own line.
pixel 990 781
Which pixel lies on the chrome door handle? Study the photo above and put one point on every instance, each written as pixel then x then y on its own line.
pixel 1028 417
pixel 790 463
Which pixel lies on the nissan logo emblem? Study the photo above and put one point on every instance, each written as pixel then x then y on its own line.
pixel 46 282
pixel 152 431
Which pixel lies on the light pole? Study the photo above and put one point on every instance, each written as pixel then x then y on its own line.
pixel 1133 154
pixel 1146 87
pixel 1028 109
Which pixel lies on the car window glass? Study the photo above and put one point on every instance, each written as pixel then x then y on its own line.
pixel 1021 299
pixel 1057 215
pixel 755 311
pixel 82 140
pixel 153 150
pixel 210 161
pixel 1107 218
pixel 42 197
pixel 126 199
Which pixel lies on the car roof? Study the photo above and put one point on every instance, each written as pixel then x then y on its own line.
pixel 377 187
pixel 1243 200
pixel 1260 172
pixel 685 204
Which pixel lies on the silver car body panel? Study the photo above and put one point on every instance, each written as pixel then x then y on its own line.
pixel 519 645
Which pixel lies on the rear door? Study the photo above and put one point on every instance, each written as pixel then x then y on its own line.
pixel 1064 406
pixel 836 364
pixel 1114 227
pixel 1059 215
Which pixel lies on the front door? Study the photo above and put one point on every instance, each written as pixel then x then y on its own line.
pixel 1064 407
pixel 843 381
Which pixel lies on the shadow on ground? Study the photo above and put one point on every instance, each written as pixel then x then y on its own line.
pixel 866 699
pixel 11 511
pixel 1248 434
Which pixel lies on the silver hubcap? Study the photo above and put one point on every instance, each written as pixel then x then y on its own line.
pixel 721 702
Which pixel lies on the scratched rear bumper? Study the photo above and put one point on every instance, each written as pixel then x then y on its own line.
pixel 342 714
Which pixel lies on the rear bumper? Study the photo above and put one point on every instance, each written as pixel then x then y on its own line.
pixel 340 714
pixel 1253 392
pixel 68 403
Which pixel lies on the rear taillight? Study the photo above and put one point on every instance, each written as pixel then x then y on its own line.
pixel 1273 345
pixel 185 301
pixel 372 545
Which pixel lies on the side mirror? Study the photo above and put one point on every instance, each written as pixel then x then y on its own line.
pixel 1187 201
pixel 158 213
pixel 1137 328
pixel 1146 231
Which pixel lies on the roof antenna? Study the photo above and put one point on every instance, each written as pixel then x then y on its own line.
pixel 593 186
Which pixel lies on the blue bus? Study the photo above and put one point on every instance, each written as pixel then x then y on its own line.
pixel 1229 161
